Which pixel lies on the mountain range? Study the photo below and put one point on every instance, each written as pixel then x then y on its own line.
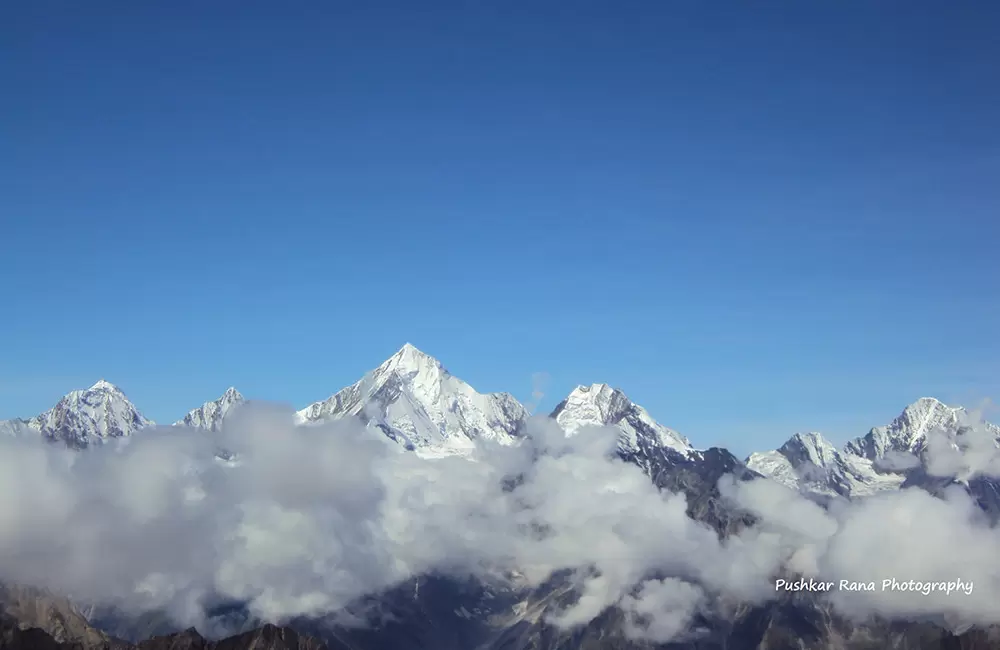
pixel 412 400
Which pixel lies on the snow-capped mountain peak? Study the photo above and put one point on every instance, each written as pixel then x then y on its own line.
pixel 89 416
pixel 810 463
pixel 209 416
pixel 410 359
pixel 597 404
pixel 908 432
pixel 602 405
pixel 415 401
pixel 810 447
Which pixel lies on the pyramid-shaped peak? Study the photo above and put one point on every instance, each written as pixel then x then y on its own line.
pixel 94 414
pixel 413 400
pixel 410 359
pixel 232 394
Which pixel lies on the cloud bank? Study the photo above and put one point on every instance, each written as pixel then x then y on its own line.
pixel 308 519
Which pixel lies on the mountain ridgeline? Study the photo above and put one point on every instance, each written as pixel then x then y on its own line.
pixel 412 400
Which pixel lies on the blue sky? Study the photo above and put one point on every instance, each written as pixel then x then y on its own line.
pixel 755 218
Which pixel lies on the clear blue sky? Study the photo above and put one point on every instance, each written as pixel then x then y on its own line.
pixel 754 217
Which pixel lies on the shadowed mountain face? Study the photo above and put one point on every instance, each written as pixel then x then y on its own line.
pixel 697 477
pixel 36 608
pixel 268 637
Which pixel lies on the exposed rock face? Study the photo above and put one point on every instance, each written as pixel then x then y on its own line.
pixel 36 608
pixel 13 637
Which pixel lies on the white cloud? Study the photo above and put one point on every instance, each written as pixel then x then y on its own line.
pixel 662 610
pixel 311 518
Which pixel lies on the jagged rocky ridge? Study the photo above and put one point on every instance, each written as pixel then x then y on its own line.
pixel 414 401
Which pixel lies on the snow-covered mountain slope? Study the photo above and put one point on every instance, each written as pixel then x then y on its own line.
pixel 785 465
pixel 209 416
pixel 84 417
pixel 908 432
pixel 415 401
pixel 601 405
pixel 811 463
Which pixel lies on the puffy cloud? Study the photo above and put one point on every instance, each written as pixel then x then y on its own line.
pixel 971 451
pixel 897 461
pixel 894 554
pixel 912 536
pixel 309 518
pixel 662 610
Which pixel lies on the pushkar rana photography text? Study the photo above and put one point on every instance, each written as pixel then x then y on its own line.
pixel 888 584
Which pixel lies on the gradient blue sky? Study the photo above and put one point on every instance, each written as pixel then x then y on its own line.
pixel 754 217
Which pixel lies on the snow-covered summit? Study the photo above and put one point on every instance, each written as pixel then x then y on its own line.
pixel 415 401
pixel 209 416
pixel 810 447
pixel 908 432
pixel 85 417
pixel 803 454
pixel 811 463
pixel 602 405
